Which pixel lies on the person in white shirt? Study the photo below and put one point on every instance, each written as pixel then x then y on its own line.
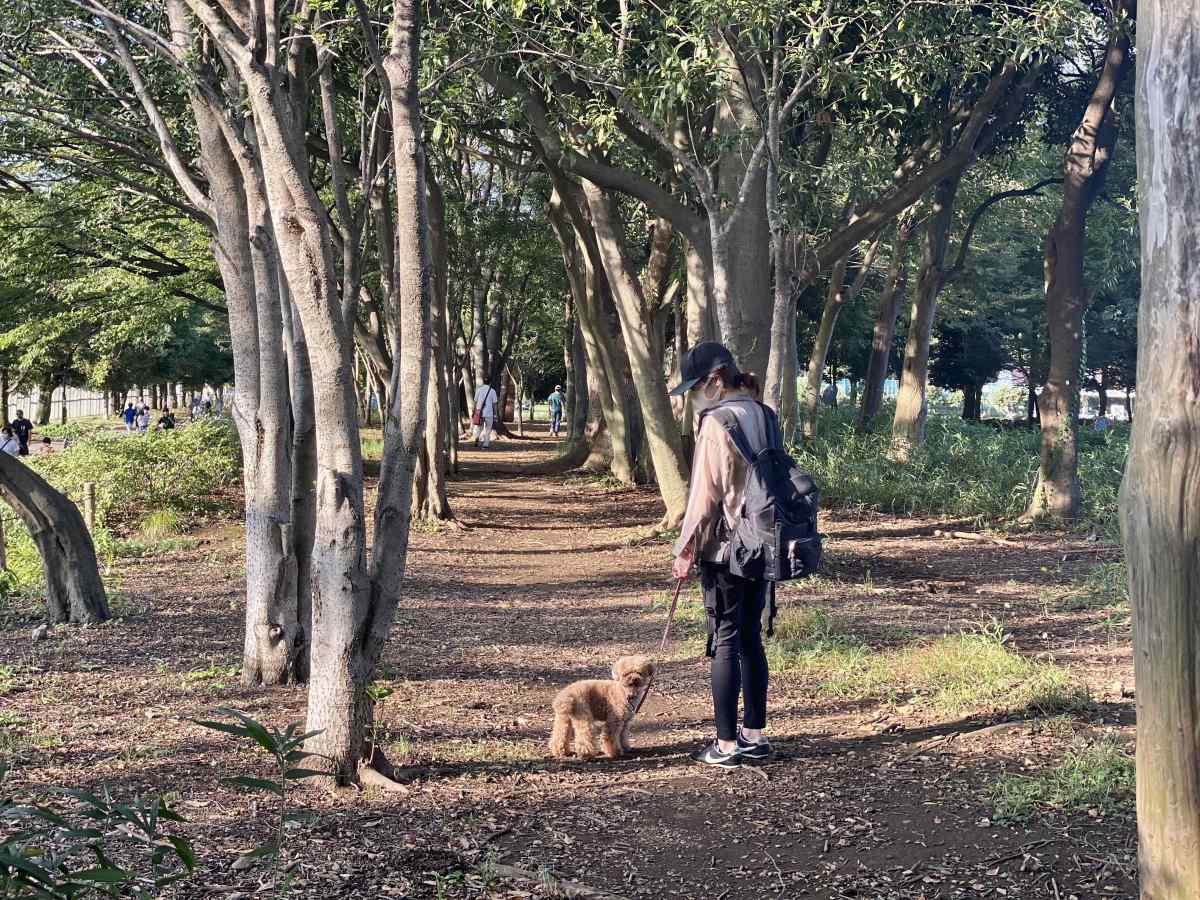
pixel 483 415
pixel 9 443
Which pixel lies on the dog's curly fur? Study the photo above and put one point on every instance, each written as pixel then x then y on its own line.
pixel 609 703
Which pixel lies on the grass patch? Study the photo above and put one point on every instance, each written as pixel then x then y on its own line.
pixel 159 525
pixel 8 679
pixel 1099 777
pixel 971 672
pixel 964 469
pixel 213 678
pixel 488 751
pixel 690 624
pixel 600 483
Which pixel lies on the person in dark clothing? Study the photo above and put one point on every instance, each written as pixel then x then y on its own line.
pixel 22 428
pixel 733 606
pixel 130 416
pixel 166 421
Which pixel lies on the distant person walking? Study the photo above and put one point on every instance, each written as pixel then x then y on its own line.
pixel 130 416
pixel 8 442
pixel 483 415
pixel 1100 425
pixel 22 428
pixel 143 419
pixel 557 403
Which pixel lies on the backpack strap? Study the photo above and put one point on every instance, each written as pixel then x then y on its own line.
pixel 774 432
pixel 729 422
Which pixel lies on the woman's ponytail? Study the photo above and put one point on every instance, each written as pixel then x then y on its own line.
pixel 748 381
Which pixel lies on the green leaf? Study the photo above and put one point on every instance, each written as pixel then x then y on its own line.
pixel 256 784
pixel 184 851
pixel 101 875
pixel 305 773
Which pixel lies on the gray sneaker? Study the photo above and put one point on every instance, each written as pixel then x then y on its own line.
pixel 712 755
pixel 753 749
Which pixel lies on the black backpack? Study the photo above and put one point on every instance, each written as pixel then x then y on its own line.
pixel 776 536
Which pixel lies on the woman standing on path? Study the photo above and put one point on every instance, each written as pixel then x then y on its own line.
pixel 733 606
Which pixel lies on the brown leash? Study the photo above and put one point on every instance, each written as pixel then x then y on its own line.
pixel 663 646
pixel 671 615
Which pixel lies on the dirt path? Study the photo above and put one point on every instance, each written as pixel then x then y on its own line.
pixel 864 798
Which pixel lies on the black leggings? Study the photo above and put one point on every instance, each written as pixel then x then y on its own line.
pixel 734 608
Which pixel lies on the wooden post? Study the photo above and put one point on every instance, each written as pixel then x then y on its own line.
pixel 89 505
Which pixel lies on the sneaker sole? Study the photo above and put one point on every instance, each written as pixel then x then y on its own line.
pixel 730 764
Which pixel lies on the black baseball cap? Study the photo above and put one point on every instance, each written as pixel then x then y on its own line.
pixel 700 362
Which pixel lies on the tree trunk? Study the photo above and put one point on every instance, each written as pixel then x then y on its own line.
pixel 661 429
pixel 834 301
pixel 1129 405
pixel 740 239
pixel 304 471
pixel 578 377
pixel 587 284
pixel 884 331
pixel 45 398
pixel 1102 394
pixel 1085 167
pixel 1160 495
pixel 404 428
pixel 908 426
pixel 74 591
pixel 62 413
pixel 274 634
pixel 435 502
pixel 782 363
pixel 972 403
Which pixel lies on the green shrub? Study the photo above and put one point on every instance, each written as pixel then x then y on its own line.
pixel 155 480
pixel 1099 777
pixel 963 469
pixel 179 470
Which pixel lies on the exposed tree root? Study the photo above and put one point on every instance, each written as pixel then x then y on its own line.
pixel 665 525
pixel 376 772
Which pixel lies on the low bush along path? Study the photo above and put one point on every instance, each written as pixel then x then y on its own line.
pixel 926 692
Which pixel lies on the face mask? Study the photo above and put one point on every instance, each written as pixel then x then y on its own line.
pixel 706 395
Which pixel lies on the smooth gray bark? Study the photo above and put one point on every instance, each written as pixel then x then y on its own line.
pixel 1160 496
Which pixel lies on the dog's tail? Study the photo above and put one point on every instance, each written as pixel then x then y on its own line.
pixel 560 734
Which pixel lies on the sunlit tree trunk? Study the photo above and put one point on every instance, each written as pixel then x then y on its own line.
pixel 661 430
pixel 74 591
pixel 587 282
pixel 1085 168
pixel 884 331
pixel 908 426
pixel 1160 497
pixel 430 499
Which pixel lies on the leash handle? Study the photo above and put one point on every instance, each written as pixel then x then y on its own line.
pixel 671 615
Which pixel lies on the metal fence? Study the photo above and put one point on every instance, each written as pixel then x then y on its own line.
pixel 79 403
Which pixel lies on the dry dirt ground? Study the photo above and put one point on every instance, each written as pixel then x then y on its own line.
pixel 541 586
